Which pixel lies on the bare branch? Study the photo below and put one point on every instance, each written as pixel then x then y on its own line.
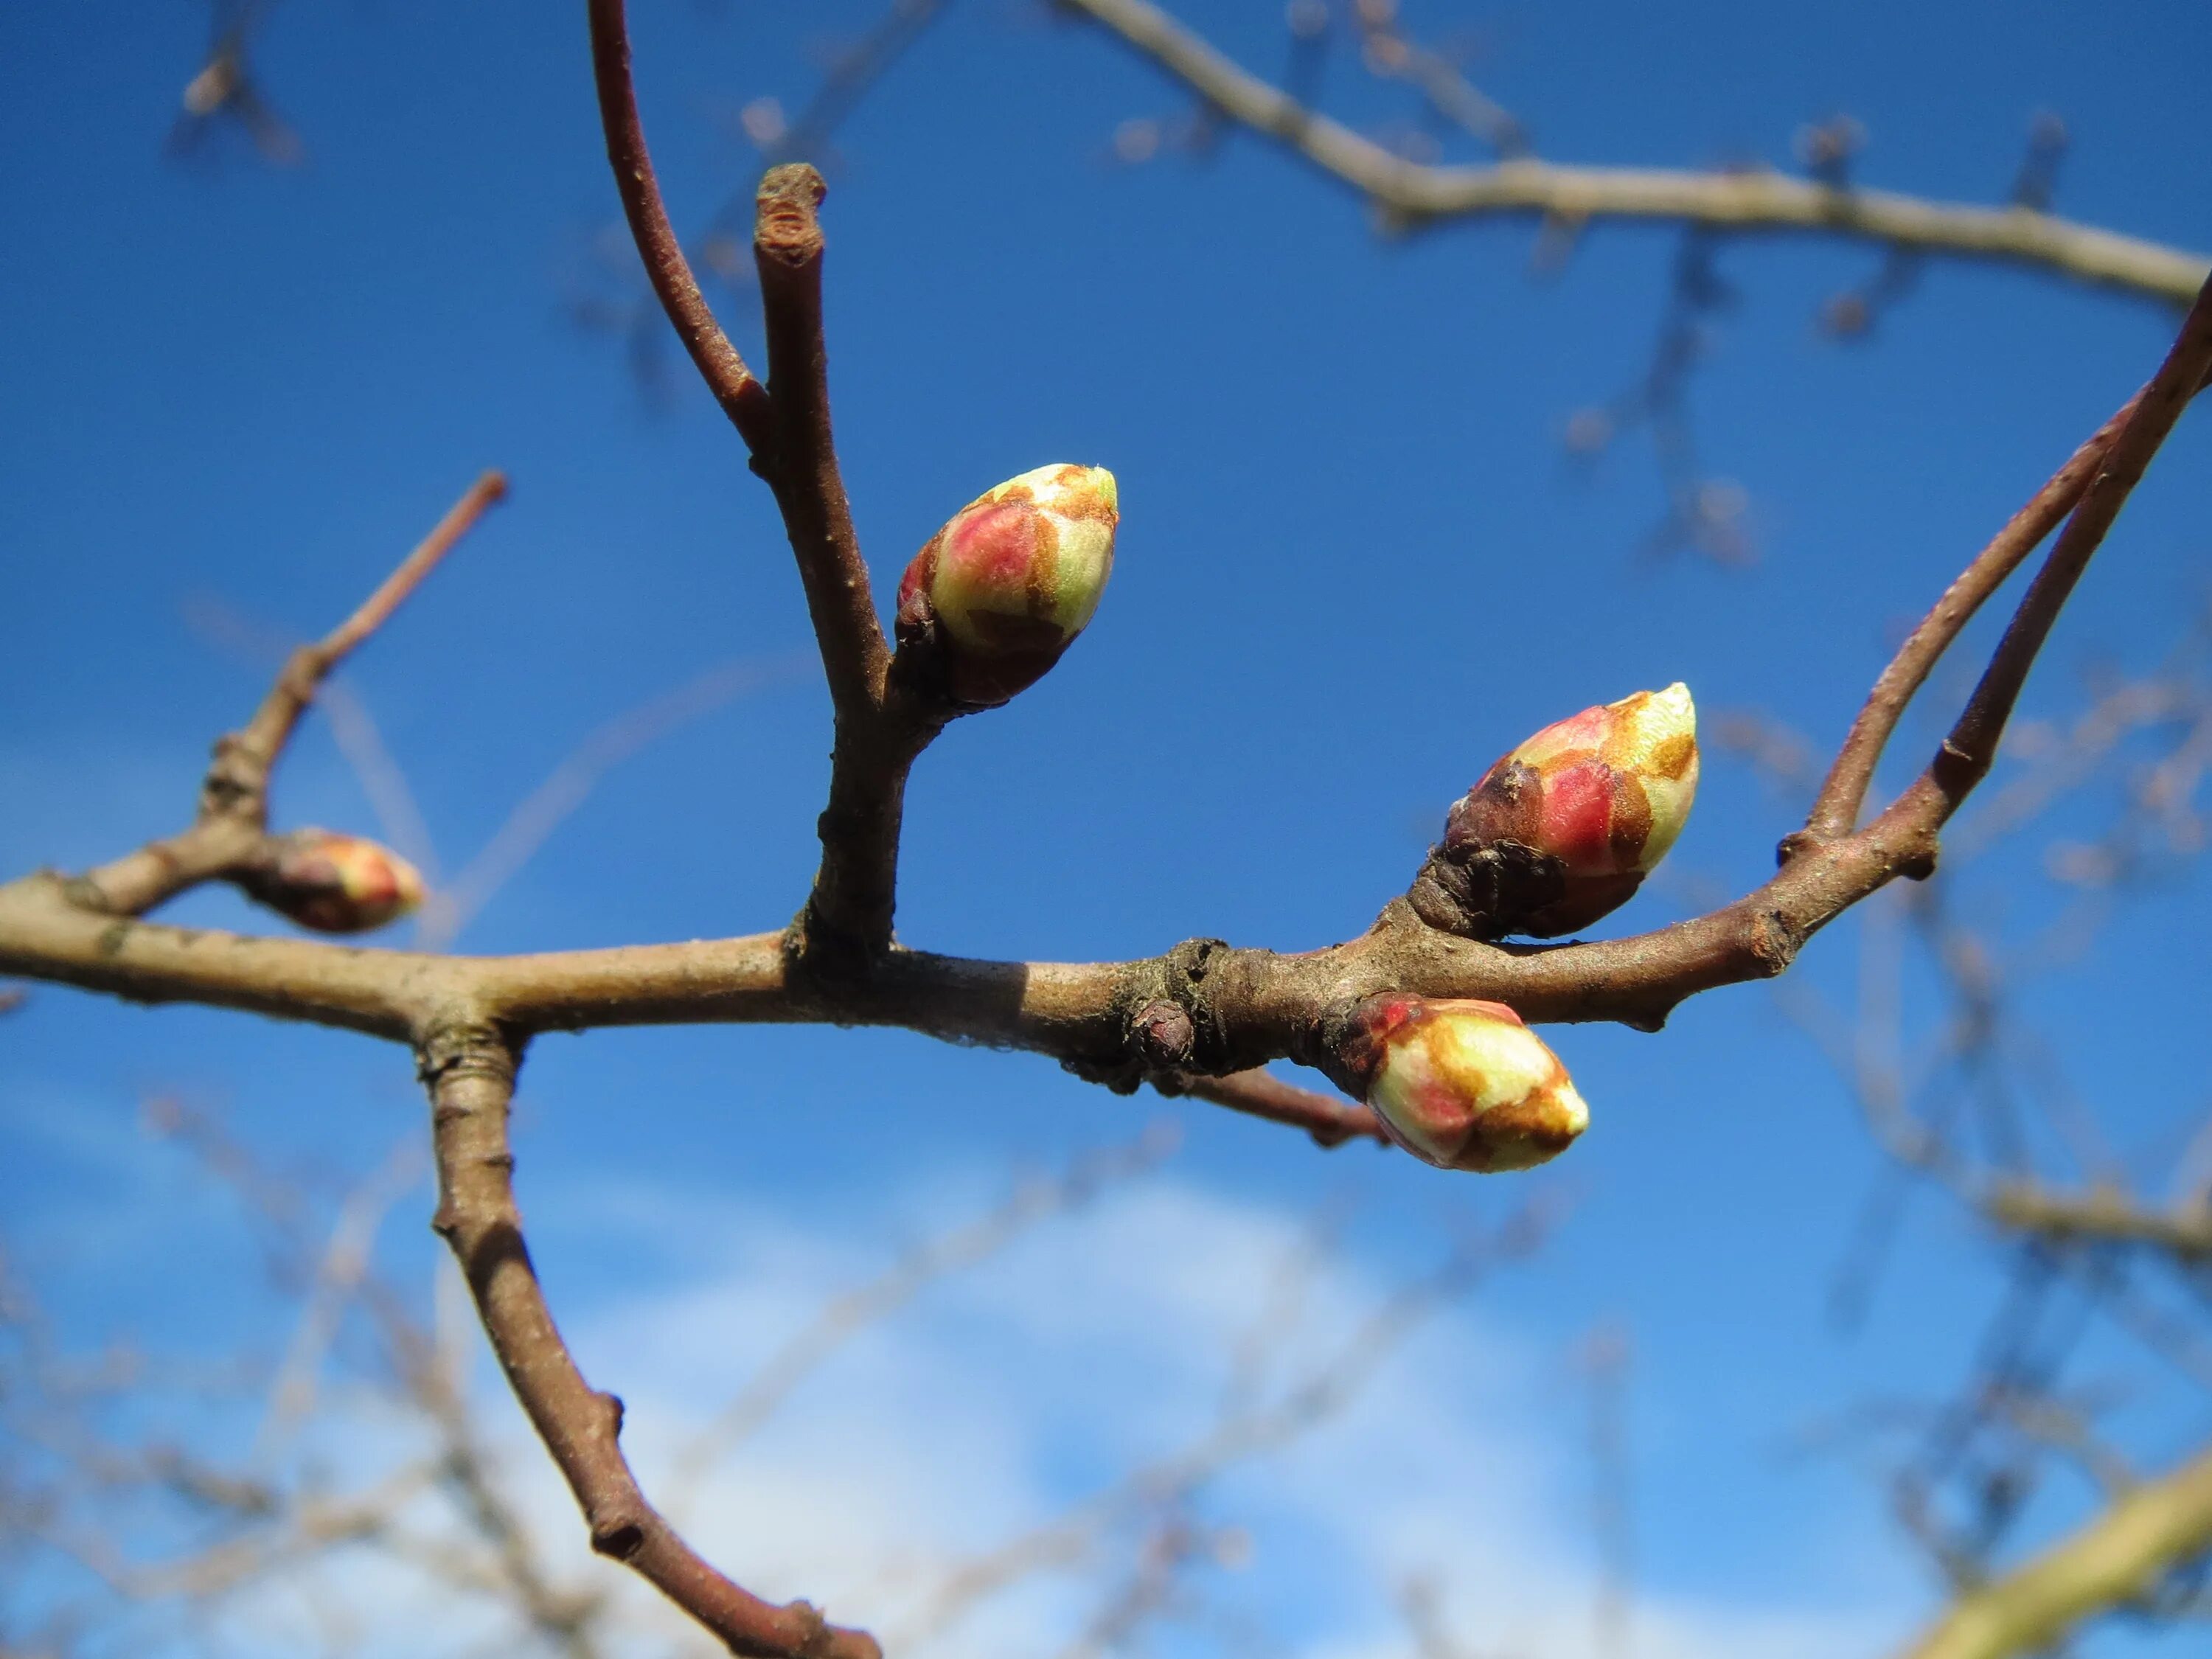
pixel 2100 1215
pixel 1967 753
pixel 1410 193
pixel 743 399
pixel 1259 1093
pixel 788 247
pixel 234 808
pixel 2118 1556
pixel 468 1070
pixel 1836 810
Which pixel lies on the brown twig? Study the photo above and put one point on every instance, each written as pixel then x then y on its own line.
pixel 234 807
pixel 787 248
pixel 1965 758
pixel 742 397
pixel 1259 1093
pixel 469 1069
pixel 847 922
pixel 1836 809
pixel 1410 193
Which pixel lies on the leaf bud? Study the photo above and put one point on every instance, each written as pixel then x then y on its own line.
pixel 334 883
pixel 1564 830
pixel 1459 1083
pixel 995 596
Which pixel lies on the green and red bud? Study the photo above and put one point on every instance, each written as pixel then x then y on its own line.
pixel 997 593
pixel 1459 1083
pixel 335 884
pixel 1564 830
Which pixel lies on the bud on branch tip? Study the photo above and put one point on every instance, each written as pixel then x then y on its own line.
pixel 1459 1083
pixel 1564 830
pixel 997 594
pixel 335 884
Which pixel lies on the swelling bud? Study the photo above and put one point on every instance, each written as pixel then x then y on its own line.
pixel 1562 831
pixel 335 884
pixel 994 596
pixel 1459 1083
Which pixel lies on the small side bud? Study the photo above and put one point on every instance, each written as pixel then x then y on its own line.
pixel 1564 830
pixel 995 596
pixel 1459 1083
pixel 335 884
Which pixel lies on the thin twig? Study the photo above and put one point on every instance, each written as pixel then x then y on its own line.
pixel 1836 809
pixel 742 397
pixel 1259 1093
pixel 233 819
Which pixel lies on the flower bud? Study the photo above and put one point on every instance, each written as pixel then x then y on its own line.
pixel 335 884
pixel 999 592
pixel 1564 828
pixel 1460 1084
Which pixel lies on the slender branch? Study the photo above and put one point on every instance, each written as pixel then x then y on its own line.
pixel 2118 1558
pixel 743 399
pixel 469 1070
pixel 847 922
pixel 1836 809
pixel 234 807
pixel 1257 1093
pixel 788 247
pixel 1966 754
pixel 1411 193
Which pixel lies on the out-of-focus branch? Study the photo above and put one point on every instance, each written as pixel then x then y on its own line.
pixel 2099 1216
pixel 1250 1429
pixel 844 1316
pixel 469 1069
pixel 2118 1558
pixel 1410 193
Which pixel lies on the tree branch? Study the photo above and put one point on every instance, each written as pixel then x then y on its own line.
pixel 1836 810
pixel 234 807
pixel 1236 1009
pixel 847 921
pixel 1257 1093
pixel 1411 193
pixel 469 1069
pixel 1966 754
pixel 2099 1215
pixel 787 248
pixel 743 399
pixel 2118 1557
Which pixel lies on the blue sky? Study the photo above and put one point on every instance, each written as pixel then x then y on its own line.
pixel 1354 566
